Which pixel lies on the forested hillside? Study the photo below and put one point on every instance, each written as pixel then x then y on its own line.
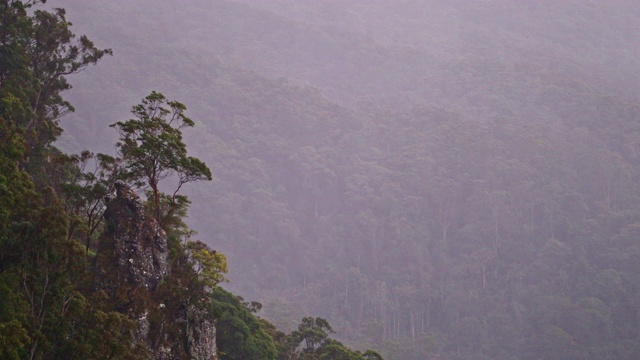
pixel 437 179
pixel 96 260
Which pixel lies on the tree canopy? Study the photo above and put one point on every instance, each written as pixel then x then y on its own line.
pixel 57 252
pixel 152 149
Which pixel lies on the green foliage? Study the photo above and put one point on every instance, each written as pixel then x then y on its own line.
pixel 43 269
pixel 210 265
pixel 173 210
pixel 504 180
pixel 91 331
pixel 240 335
pixel 90 180
pixel 13 340
pixel 38 52
pixel 311 341
pixel 312 333
pixel 152 149
pixel 43 312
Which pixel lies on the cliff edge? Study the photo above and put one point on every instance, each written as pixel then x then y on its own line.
pixel 134 271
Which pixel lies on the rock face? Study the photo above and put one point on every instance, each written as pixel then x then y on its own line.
pixel 131 268
pixel 139 244
pixel 201 337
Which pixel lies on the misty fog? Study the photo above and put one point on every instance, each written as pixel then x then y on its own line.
pixel 438 179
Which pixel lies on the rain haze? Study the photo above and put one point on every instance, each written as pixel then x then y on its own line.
pixel 436 179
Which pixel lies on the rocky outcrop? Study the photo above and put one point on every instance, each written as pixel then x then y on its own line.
pixel 132 268
pixel 201 335
pixel 136 243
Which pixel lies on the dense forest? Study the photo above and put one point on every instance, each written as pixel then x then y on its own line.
pixel 436 179
pixel 96 261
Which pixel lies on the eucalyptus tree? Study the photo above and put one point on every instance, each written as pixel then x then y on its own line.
pixel 152 149
pixel 38 52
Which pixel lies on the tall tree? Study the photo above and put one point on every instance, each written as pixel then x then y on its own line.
pixel 152 148
pixel 37 53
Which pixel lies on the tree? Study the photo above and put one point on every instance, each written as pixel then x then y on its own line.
pixel 313 332
pixel 209 264
pixel 152 149
pixel 37 53
pixel 311 341
pixel 241 334
pixel 53 56
pixel 84 189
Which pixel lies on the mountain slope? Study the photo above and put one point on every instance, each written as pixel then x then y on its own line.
pixel 448 188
